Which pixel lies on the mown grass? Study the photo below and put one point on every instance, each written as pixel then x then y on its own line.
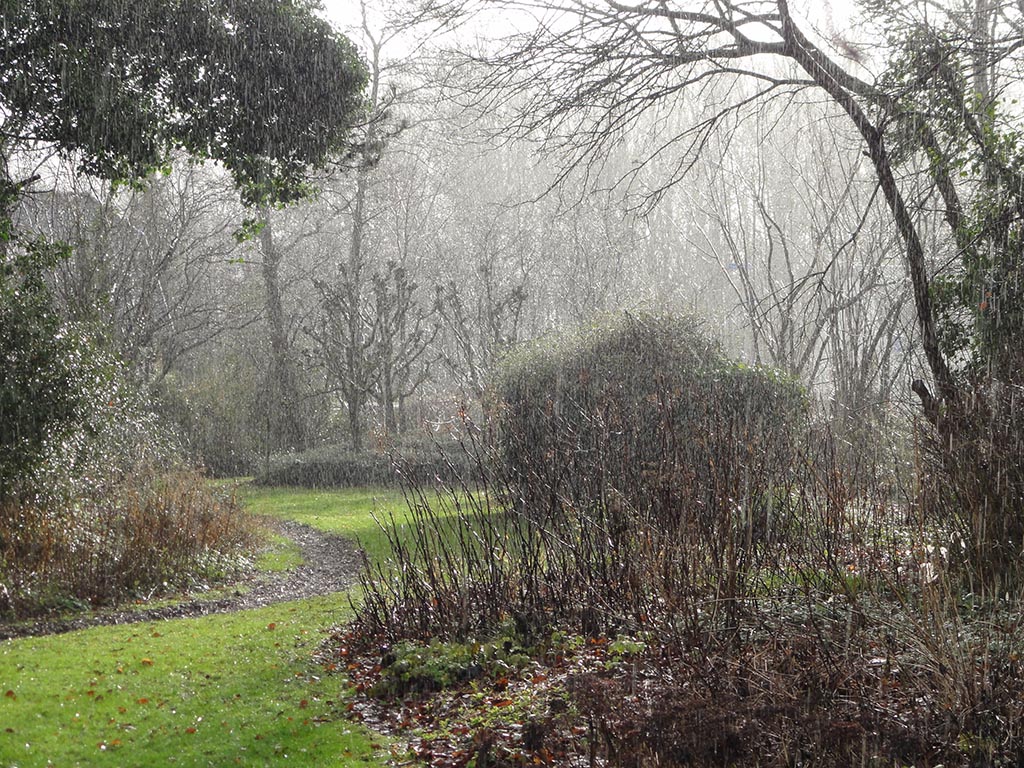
pixel 348 512
pixel 281 555
pixel 234 689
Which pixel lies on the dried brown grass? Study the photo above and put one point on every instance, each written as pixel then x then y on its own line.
pixel 147 533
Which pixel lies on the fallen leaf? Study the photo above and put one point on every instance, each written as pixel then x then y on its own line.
pixel 146 662
pixel 11 695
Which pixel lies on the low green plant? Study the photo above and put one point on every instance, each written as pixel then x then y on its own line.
pixel 420 667
pixel 624 646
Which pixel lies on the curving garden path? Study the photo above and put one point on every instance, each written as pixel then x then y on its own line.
pixel 331 564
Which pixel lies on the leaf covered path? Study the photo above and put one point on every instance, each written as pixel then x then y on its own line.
pixel 330 565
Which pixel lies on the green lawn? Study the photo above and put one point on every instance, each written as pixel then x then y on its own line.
pixel 237 689
pixel 348 512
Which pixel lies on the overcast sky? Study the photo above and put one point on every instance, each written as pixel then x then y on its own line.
pixel 830 18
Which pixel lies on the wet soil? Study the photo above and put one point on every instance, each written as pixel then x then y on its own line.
pixel 331 565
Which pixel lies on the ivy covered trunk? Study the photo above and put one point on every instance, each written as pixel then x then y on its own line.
pixel 970 314
pixel 977 426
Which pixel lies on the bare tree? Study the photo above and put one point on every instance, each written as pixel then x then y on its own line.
pixel 589 73
pixel 804 247
pixel 591 69
pixel 362 315
pixel 404 333
pixel 480 326
pixel 147 264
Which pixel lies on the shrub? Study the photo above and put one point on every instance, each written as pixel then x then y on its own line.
pixel 216 409
pixel 651 415
pixel 784 616
pixel 334 466
pixel 51 374
pixel 972 480
pixel 149 532
pixel 639 480
pixel 93 506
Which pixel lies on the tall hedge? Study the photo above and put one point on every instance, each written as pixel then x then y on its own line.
pixel 645 413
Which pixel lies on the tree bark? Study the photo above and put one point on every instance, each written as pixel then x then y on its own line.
pixel 828 76
pixel 287 427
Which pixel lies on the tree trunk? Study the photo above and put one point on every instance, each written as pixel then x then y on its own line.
pixel 287 428
pixel 355 351
pixel 355 425
pixel 827 75
pixel 387 396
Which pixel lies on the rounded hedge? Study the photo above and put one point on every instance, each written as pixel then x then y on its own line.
pixel 644 411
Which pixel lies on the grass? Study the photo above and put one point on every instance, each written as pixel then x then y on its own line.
pixel 232 689
pixel 281 555
pixel 347 512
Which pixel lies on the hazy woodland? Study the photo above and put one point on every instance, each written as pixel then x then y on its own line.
pixel 689 329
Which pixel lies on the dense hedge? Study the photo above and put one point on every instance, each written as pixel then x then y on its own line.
pixel 339 467
pixel 645 412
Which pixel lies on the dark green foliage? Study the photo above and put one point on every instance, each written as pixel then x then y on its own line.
pixel 263 86
pixel 410 667
pixel 974 478
pixel 218 411
pixel 338 466
pixel 50 375
pixel 979 303
pixel 638 410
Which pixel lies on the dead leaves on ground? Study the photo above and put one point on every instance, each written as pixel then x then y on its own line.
pixel 522 718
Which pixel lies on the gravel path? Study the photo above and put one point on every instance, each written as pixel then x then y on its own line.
pixel 331 565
